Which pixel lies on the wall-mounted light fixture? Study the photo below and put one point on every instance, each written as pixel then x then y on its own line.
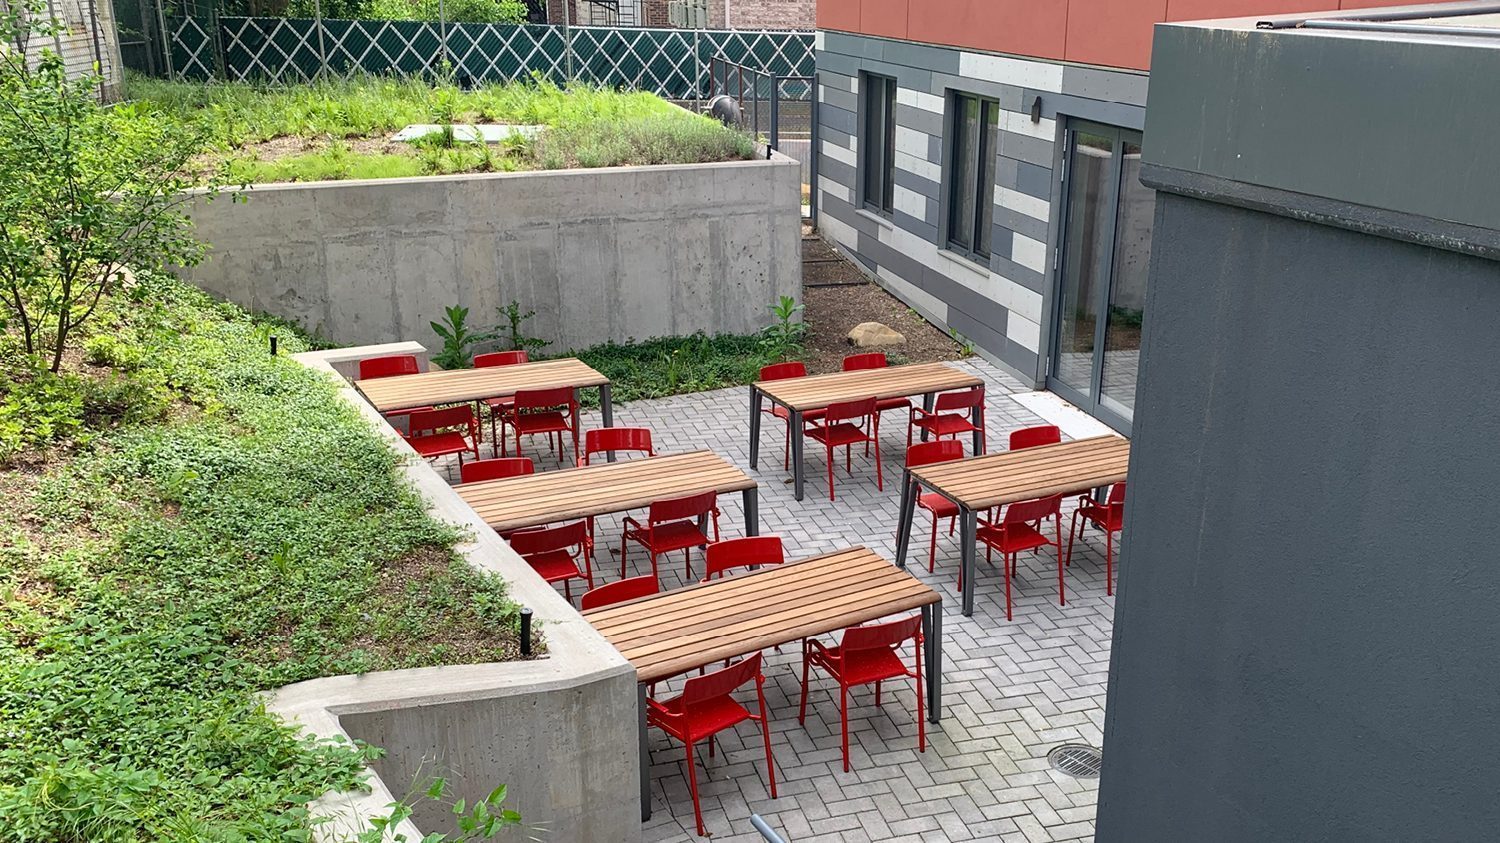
pixel 1036 109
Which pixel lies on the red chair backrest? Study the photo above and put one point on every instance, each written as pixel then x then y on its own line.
pixel 961 400
pixel 888 634
pixel 500 358
pixel 782 371
pixel 385 367
pixel 1030 437
pixel 868 360
pixel 442 419
pixel 536 399
pixel 1022 512
pixel 741 553
pixel 846 410
pixel 495 469
pixel 690 506
pixel 619 592
pixel 721 682
pixel 532 542
pixel 607 439
pixel 1116 494
pixel 927 453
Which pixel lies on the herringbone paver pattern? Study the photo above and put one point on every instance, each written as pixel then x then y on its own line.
pixel 1012 691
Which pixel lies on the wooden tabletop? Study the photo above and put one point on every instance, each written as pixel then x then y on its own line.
pixel 1009 476
pixel 453 386
pixel 667 634
pixel 818 391
pixel 599 489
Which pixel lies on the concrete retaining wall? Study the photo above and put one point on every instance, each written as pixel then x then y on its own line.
pixel 559 731
pixel 603 254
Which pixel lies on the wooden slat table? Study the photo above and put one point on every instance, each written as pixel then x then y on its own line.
pixel 980 483
pixel 516 503
pixel 457 386
pixel 815 392
pixel 668 634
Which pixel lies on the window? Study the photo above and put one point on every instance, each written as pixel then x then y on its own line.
pixel 971 202
pixel 877 141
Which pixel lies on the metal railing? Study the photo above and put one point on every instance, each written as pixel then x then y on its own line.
pixel 781 108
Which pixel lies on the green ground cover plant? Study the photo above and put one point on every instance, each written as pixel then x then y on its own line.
pixel 186 520
pixel 337 129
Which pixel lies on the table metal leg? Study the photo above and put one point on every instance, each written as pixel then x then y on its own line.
pixel 969 521
pixel 934 664
pixel 755 405
pixel 798 475
pixel 977 419
pixel 645 760
pixel 752 511
pixel 606 414
pixel 927 403
pixel 903 520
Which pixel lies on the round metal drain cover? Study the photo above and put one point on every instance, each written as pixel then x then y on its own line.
pixel 1077 760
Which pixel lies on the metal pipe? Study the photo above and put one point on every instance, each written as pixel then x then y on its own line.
pixel 1409 28
pixel 765 830
pixel 1445 11
pixel 166 40
pixel 322 47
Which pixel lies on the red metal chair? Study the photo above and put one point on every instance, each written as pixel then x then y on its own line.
pixel 927 453
pixel 554 552
pixel 432 433
pixel 742 553
pixel 947 416
pixel 388 367
pixel 618 592
pixel 778 372
pixel 672 524
pixel 551 411
pixel 497 468
pixel 1031 437
pixel 875 360
pixel 846 424
pixel 504 403
pixel 867 654
pixel 1109 517
pixel 1021 530
pixel 706 708
pixel 613 439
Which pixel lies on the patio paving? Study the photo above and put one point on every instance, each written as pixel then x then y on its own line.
pixel 1012 691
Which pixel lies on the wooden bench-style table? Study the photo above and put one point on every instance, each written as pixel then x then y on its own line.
pixel 533 500
pixel 979 483
pixel 457 386
pixel 668 634
pixel 798 395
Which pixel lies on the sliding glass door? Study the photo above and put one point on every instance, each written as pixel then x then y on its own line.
pixel 1106 249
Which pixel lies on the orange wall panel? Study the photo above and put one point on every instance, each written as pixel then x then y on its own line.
pixel 842 15
pixel 886 18
pixel 1212 9
pixel 1023 27
pixel 1116 33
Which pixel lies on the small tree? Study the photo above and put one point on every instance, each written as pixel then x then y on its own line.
pixel 85 191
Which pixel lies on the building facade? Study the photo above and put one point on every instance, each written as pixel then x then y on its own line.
pixel 686 14
pixel 980 159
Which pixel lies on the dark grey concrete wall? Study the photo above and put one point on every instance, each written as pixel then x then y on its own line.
pixel 1338 116
pixel 1307 630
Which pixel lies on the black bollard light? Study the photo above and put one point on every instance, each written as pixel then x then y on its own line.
pixel 273 345
pixel 525 632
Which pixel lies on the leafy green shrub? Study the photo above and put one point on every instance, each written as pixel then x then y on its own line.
pixel 664 139
pixel 152 584
pixel 670 365
pixel 37 408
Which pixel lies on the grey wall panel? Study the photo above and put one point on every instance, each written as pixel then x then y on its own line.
pixel 839 81
pixel 848 215
pixel 925 56
pixel 1306 628
pixel 1106 85
pixel 1033 180
pixel 979 308
pixel 928 122
pixel 1111 113
pixel 912 181
pixel 836 171
pixel 853 45
pixel 836 137
pixel 1336 116
pixel 922 228
pixel 1021 224
pixel 839 98
pixel 1009 96
pixel 1028 278
pixel 1027 148
pixel 837 118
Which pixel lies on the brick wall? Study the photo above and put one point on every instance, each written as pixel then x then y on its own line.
pixel 763 14
pixel 654 13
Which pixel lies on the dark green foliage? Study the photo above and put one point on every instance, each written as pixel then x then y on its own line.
pixel 672 365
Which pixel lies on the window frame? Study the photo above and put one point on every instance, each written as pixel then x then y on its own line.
pixel 883 205
pixel 981 165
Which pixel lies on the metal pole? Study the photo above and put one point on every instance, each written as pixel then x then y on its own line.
pixel 812 155
pixel 525 632
pixel 221 62
pixel 56 30
pixel 166 40
pixel 775 112
pixel 322 45
pixel 568 40
pixel 98 54
pixel 146 40
pixel 442 33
